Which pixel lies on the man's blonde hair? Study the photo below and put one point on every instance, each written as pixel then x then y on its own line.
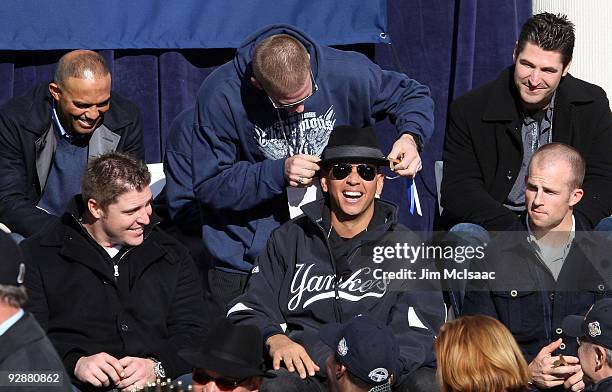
pixel 281 64
pixel 560 152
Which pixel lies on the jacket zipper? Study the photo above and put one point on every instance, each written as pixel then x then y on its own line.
pixel 116 264
pixel 336 304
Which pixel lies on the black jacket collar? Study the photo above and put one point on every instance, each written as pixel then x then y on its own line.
pixel 315 211
pixel 520 226
pixel 77 245
pixel 22 333
pixel 504 104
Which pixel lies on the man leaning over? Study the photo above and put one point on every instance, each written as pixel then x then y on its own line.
pixel 262 121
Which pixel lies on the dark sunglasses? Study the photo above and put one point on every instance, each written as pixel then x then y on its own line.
pixel 222 382
pixel 342 170
pixel 295 104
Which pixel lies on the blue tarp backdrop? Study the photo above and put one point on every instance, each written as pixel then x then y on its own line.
pixel 181 24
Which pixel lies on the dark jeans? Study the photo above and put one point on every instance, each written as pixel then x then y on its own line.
pixel 222 287
pixel 421 380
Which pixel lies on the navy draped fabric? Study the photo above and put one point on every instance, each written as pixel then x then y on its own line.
pixel 183 24
pixel 451 46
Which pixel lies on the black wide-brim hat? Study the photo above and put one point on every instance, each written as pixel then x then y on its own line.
pixel 233 351
pixel 351 144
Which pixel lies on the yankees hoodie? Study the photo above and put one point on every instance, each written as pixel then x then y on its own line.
pixel 298 285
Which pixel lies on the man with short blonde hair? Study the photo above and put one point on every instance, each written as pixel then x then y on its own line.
pixel 544 271
pixel 281 64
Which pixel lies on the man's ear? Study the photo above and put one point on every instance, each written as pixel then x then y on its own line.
pixel 566 68
pixel 255 83
pixel 95 209
pixel 380 182
pixel 514 53
pixel 600 357
pixel 339 371
pixel 324 184
pixel 55 91
pixel 576 196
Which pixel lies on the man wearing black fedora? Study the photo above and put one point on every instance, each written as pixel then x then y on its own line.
pixel 229 359
pixel 24 347
pixel 594 333
pixel 318 269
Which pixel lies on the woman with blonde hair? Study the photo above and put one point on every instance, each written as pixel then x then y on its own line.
pixel 478 354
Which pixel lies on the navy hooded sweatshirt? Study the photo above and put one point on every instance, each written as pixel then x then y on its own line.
pixel 241 142
pixel 295 288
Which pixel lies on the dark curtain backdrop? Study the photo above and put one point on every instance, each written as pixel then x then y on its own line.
pixel 451 46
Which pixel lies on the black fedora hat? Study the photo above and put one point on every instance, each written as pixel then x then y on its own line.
pixel 231 350
pixel 349 143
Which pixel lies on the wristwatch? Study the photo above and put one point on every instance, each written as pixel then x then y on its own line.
pixel 158 369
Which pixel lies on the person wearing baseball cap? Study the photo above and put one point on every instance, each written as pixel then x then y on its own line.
pixel 229 359
pixel 24 347
pixel 365 355
pixel 594 333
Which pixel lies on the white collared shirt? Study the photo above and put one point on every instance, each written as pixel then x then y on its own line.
pixel 552 256
pixel 10 321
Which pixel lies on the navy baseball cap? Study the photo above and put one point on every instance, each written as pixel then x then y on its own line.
pixel 12 266
pixel 366 347
pixel 595 326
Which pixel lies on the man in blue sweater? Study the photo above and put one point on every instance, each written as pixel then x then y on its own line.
pixel 263 119
pixel 48 135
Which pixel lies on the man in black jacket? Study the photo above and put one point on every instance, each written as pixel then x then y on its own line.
pixel 48 135
pixel 117 296
pixel 319 268
pixel 495 129
pixel 545 269
pixel 24 348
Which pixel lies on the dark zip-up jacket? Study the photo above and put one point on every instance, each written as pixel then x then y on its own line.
pixel 149 306
pixel 293 290
pixel 27 147
pixel 526 298
pixel 25 348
